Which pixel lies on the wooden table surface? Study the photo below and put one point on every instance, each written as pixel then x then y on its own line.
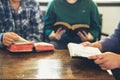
pixel 48 65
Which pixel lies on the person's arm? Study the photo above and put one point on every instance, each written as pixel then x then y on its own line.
pixel 50 19
pixel 8 38
pixel 112 42
pixel 36 24
pixel 95 23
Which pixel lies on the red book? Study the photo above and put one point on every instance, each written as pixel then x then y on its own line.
pixel 27 46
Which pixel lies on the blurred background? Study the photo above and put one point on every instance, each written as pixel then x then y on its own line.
pixel 110 10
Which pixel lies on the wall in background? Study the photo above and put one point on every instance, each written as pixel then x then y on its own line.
pixel 111 17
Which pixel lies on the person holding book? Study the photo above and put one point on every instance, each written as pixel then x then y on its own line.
pixel 20 18
pixel 79 13
pixel 110 46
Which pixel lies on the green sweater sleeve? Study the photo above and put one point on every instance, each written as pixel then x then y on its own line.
pixel 95 23
pixel 49 19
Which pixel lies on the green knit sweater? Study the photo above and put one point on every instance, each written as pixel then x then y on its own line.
pixel 82 12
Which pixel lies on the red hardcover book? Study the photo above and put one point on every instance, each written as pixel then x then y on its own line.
pixel 23 45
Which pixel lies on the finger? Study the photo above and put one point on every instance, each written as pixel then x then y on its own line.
pixel 104 67
pixel 8 39
pixel 10 35
pixel 99 56
pixel 59 29
pixel 99 61
pixel 58 35
pixel 13 36
pixel 86 43
pixel 93 57
pixel 83 37
pixel 85 34
pixel 62 32
pixel 7 43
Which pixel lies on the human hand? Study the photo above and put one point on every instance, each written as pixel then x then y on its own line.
pixel 84 36
pixel 57 35
pixel 9 38
pixel 87 44
pixel 96 44
pixel 107 60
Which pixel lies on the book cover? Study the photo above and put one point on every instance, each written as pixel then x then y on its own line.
pixel 23 45
pixel 75 28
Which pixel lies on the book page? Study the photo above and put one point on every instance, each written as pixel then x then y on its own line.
pixel 22 41
pixel 43 44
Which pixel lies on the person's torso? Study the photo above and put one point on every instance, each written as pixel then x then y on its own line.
pixel 18 22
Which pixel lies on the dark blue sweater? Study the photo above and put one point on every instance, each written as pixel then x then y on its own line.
pixel 112 42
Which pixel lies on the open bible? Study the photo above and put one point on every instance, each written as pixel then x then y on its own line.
pixel 78 50
pixel 23 45
pixel 75 28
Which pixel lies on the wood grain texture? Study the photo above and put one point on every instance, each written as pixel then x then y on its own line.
pixel 48 65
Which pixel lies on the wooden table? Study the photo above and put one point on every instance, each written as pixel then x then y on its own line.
pixel 48 65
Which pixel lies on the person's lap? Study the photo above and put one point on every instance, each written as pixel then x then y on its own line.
pixel 59 45
pixel 116 73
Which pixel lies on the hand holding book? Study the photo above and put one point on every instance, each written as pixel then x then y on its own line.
pixel 78 50
pixel 9 38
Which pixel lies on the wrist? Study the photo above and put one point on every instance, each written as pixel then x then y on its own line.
pixel 97 45
pixel 52 36
pixel 90 37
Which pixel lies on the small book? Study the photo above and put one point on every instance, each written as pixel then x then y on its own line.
pixel 78 50
pixel 75 28
pixel 23 45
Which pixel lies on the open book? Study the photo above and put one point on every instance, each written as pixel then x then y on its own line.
pixel 75 28
pixel 23 45
pixel 78 50
pixel 82 51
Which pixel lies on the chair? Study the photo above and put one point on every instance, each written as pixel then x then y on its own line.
pixel 102 33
